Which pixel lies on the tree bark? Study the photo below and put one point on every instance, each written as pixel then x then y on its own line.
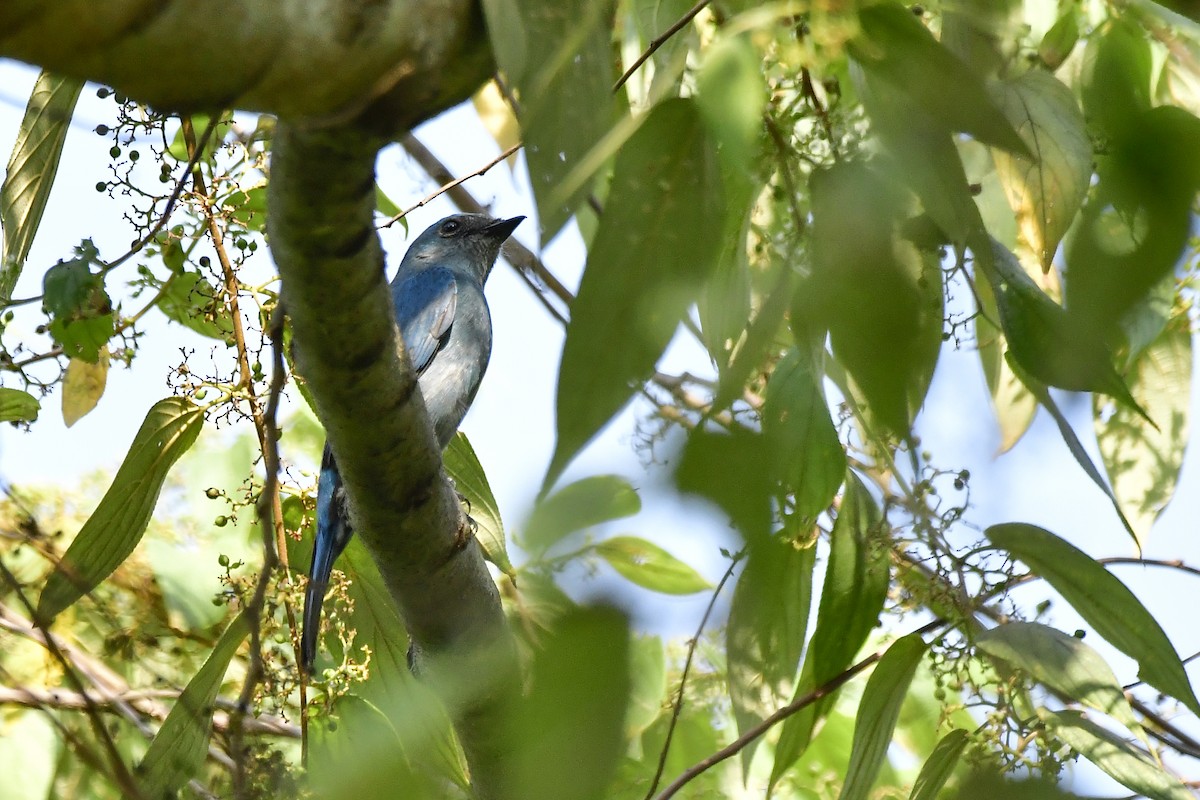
pixel 343 76
pixel 386 63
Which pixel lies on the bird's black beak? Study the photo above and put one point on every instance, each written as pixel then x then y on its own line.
pixel 501 229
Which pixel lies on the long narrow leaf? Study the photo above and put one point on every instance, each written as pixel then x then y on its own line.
pixel 117 524
pixel 179 748
pixel 31 170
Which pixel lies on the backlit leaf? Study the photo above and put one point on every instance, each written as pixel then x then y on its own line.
pixel 18 406
pixel 116 526
pixel 1062 662
pixel 939 765
pixel 180 747
pixel 1143 463
pixel 768 621
pixel 877 714
pixel 649 566
pixel 83 386
pixel 471 482
pixel 1046 190
pixel 1132 767
pixel 656 245
pixel 580 505
pixel 31 170
pixel 1103 601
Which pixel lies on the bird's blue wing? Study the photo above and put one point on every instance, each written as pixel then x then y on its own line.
pixel 333 534
pixel 425 305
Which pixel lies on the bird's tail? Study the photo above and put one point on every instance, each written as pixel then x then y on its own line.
pixel 313 596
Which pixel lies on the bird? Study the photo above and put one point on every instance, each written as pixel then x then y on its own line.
pixel 443 317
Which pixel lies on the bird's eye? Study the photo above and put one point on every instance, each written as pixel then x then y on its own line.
pixel 450 227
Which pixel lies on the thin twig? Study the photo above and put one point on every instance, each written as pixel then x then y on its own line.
pixel 520 257
pixel 124 779
pixel 452 184
pixel 687 665
pixel 800 703
pixel 822 112
pixel 274 543
pixel 659 41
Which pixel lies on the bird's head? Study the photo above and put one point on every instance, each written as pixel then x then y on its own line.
pixel 472 241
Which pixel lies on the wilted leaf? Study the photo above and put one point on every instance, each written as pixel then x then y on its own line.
pixel 1143 463
pixel 18 406
pixel 1103 601
pixel 580 505
pixel 1014 405
pixel 470 480
pixel 83 385
pixel 649 566
pixel 877 714
pixel 31 170
pixel 657 243
pixel 768 620
pixel 180 747
pixel 1046 190
pixel 1061 662
pixel 1128 765
pixel 116 526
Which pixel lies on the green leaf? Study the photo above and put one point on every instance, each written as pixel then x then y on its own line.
pixel 116 526
pixel 1143 463
pixel 1042 340
pixel 983 33
pixel 897 48
pixel 18 406
pixel 757 343
pixel 1060 40
pixel 806 452
pixel 31 751
pixel 656 245
pixel 710 458
pixel 1103 601
pixel 386 206
pixel 650 567
pixel 1014 405
pixel 471 482
pixel 1138 224
pixel 764 637
pixel 648 689
pixel 70 287
pixel 861 262
pixel 571 724
pixel 1042 395
pixel 194 303
pixel 580 505
pixel 557 57
pixel 1128 765
pixel 180 747
pixel 852 597
pixel 878 712
pixel 939 766
pixel 1115 76
pixel 1061 662
pixel 31 170
pixel 1045 191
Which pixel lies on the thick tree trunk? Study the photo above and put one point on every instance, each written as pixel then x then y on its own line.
pixel 343 76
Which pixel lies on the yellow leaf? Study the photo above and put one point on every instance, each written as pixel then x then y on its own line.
pixel 1045 193
pixel 83 386
pixel 497 116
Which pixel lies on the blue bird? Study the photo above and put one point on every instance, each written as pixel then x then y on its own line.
pixel 447 329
